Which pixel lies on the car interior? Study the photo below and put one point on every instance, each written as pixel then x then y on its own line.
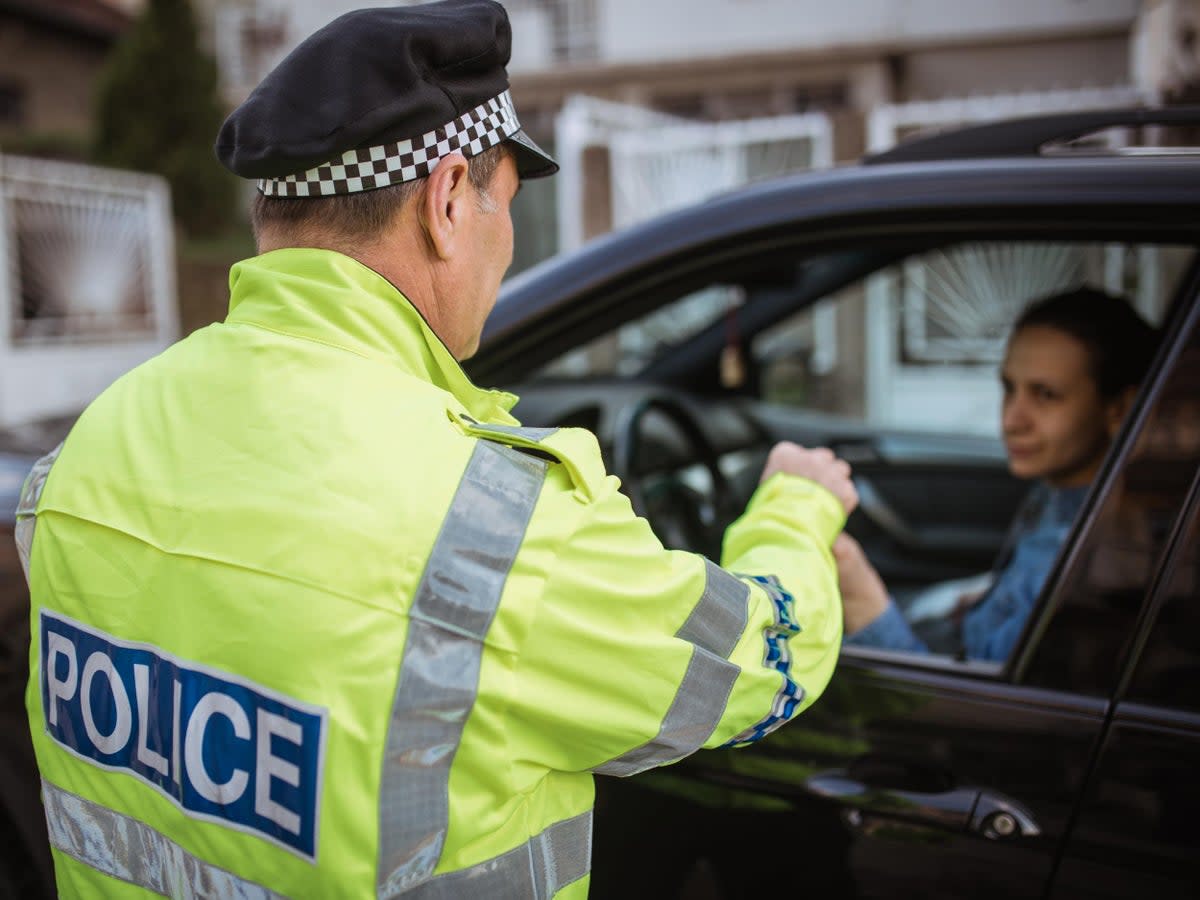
pixel 688 382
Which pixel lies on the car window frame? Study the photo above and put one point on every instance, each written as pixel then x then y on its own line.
pixel 693 271
pixel 1013 670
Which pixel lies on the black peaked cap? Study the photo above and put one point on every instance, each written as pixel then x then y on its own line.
pixel 373 77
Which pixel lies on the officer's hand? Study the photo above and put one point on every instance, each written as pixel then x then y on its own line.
pixel 819 465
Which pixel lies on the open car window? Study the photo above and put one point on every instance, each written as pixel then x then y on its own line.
pixel 891 358
pixel 908 319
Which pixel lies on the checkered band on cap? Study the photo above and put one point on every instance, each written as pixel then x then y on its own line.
pixel 374 167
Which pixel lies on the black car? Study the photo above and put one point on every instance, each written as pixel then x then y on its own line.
pixel 862 309
pixel 690 344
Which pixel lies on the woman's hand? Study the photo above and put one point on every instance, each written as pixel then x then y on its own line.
pixel 864 596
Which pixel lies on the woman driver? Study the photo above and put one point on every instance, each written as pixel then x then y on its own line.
pixel 1070 372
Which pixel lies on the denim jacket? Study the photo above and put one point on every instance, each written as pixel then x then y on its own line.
pixel 992 626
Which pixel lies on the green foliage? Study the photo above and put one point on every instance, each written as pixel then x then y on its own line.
pixel 158 111
pixel 60 145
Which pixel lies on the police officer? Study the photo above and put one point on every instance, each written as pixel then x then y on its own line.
pixel 313 615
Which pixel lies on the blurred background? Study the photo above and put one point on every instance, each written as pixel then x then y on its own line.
pixel 117 225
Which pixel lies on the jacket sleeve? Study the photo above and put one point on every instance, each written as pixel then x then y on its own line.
pixel 638 655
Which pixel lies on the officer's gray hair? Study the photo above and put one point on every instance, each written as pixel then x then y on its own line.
pixel 360 217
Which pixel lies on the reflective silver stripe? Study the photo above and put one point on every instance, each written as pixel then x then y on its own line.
pixel 439 672
pixel 132 851
pixel 719 618
pixel 713 627
pixel 535 435
pixel 537 870
pixel 31 493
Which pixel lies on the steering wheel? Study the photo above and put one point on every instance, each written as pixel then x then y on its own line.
pixel 683 517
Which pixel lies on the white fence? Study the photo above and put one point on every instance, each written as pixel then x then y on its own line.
pixel 659 162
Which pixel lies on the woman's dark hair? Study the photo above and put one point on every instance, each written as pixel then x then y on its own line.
pixel 1119 342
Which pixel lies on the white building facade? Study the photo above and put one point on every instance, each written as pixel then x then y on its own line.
pixel 653 104
pixel 720 60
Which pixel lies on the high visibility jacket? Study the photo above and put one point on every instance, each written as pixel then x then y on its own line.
pixel 313 616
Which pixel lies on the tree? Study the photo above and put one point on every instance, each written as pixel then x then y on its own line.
pixel 158 111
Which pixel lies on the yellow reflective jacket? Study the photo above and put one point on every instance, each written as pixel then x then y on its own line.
pixel 313 616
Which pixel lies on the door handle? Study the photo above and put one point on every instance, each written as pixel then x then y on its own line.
pixel 964 808
pixel 998 817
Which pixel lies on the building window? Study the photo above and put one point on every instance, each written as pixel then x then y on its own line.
pixel 12 102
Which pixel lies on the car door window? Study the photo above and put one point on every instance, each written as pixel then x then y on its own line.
pixel 892 359
pixel 1168 670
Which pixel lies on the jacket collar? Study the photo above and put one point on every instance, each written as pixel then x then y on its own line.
pixel 324 296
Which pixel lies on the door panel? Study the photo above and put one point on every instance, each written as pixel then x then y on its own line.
pixel 895 784
pixel 963 781
pixel 1137 831
pixel 1137 834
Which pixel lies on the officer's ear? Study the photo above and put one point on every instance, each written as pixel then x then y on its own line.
pixel 445 203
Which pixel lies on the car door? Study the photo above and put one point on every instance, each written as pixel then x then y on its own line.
pixel 922 776
pixel 1136 833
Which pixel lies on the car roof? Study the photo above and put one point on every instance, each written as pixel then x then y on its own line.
pixel 1031 136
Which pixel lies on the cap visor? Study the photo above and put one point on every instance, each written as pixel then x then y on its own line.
pixel 532 161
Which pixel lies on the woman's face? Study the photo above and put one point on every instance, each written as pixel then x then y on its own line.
pixel 1056 425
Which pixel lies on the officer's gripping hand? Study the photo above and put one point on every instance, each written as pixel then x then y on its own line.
pixel 819 465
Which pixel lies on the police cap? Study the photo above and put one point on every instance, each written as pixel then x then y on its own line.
pixel 377 97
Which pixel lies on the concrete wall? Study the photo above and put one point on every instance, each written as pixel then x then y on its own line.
pixel 931 74
pixel 57 74
pixel 634 30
